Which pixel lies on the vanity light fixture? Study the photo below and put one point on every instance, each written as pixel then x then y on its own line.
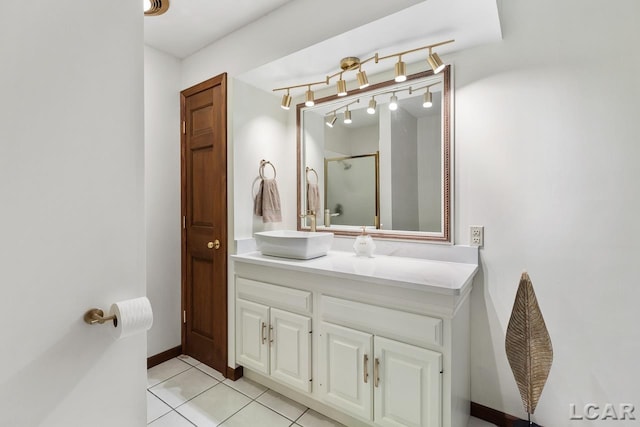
pixel 401 71
pixel 286 101
pixel 393 102
pixel 372 106
pixel 155 7
pixel 308 101
pixel 435 62
pixel 352 63
pixel 363 81
pixel 347 117
pixel 331 117
pixel 341 87
pixel 427 102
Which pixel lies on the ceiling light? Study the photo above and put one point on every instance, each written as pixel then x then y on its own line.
pixel 347 116
pixel 372 106
pixel 308 98
pixel 401 70
pixel 341 87
pixel 348 64
pixel 286 101
pixel 155 7
pixel 426 100
pixel 435 62
pixel 363 81
pixel 393 103
pixel 331 120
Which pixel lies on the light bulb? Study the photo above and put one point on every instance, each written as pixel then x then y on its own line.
pixel 341 87
pixel 372 106
pixel 426 100
pixel 401 71
pixel 347 117
pixel 309 102
pixel 331 121
pixel 393 103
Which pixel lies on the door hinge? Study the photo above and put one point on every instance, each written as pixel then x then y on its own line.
pixel 184 127
pixel 184 316
pixel 184 221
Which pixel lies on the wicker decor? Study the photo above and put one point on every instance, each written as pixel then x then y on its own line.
pixel 528 345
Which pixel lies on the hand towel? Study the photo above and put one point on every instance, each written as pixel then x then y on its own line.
pixel 267 201
pixel 313 198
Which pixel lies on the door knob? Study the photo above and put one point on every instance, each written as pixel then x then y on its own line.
pixel 214 245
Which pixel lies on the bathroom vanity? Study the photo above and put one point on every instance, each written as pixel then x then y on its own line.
pixel 380 341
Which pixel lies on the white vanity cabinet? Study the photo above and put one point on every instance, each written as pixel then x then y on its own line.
pixel 387 381
pixel 270 340
pixel 355 342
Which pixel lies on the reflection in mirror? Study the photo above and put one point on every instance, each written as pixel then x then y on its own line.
pixel 351 195
pixel 405 190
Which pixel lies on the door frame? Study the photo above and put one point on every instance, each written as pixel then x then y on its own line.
pixel 220 79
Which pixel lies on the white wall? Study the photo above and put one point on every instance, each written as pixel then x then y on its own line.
pixel 547 160
pixel 260 131
pixel 162 197
pixel 71 215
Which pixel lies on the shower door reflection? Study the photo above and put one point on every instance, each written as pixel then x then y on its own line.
pixel 352 190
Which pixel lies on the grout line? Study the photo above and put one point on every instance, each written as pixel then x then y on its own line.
pixel 282 415
pixel 202 392
pixel 169 406
pixel 188 420
pixel 225 420
pixel 181 372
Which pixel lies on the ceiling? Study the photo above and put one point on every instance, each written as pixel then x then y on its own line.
pixel 190 25
pixel 469 22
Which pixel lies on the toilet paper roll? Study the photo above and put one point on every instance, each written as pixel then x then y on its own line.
pixel 133 316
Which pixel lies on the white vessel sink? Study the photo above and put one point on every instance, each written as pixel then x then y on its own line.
pixel 293 244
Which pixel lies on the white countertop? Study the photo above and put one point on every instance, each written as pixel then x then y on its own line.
pixel 448 278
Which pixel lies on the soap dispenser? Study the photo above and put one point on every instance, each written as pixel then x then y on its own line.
pixel 364 245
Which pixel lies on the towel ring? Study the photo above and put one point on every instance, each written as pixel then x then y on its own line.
pixel 314 172
pixel 263 163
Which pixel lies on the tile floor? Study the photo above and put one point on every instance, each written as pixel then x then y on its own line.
pixel 183 392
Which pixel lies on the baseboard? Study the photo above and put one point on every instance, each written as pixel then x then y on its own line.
pixel 234 374
pixel 492 416
pixel 164 356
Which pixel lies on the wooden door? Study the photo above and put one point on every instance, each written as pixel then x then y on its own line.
pixel 408 392
pixel 204 210
pixel 345 369
pixel 290 354
pixel 252 345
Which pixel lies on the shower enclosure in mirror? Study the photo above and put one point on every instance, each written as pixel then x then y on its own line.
pixel 385 153
pixel 352 190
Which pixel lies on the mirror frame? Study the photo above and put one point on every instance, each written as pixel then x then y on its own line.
pixel 445 236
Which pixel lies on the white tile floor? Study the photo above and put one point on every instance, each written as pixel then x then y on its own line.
pixel 183 392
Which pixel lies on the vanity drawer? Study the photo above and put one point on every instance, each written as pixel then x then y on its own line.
pixel 274 295
pixel 408 327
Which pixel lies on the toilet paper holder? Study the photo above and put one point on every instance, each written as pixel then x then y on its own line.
pixel 95 315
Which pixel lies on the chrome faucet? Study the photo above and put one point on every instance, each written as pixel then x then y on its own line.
pixel 312 216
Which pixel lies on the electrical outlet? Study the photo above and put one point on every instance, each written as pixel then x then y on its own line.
pixel 476 235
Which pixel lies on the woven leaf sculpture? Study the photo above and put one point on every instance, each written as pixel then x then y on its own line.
pixel 528 345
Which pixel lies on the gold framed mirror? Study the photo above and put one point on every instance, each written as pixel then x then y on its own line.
pixel 413 143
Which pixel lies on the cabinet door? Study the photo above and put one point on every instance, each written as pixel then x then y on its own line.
pixel 408 391
pixel 291 349
pixel 252 345
pixel 345 367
